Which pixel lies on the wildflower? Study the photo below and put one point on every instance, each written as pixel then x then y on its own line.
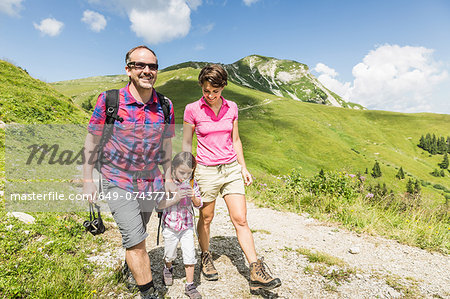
pixel 351 175
pixel 369 195
pixel 362 178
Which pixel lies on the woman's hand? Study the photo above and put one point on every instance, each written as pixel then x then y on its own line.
pixel 248 180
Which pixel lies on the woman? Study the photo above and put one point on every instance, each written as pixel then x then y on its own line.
pixel 221 170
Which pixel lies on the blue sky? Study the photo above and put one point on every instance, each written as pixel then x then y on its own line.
pixel 386 55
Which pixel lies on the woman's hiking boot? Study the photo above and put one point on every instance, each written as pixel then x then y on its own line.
pixel 208 269
pixel 260 279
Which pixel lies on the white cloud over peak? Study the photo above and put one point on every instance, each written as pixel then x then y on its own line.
pixel 250 2
pixel 96 21
pixel 50 27
pixel 11 7
pixel 390 77
pixel 159 21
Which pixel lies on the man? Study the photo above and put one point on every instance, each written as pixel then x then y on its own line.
pixel 131 179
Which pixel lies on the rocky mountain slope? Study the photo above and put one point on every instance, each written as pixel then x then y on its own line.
pixel 280 77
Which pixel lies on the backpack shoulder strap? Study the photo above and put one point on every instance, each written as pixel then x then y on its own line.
pixel 112 106
pixel 165 105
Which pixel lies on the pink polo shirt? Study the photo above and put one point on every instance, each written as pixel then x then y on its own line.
pixel 214 142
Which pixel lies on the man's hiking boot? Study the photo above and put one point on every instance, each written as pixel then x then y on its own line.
pixel 128 278
pixel 208 269
pixel 260 279
pixel 151 293
pixel 168 276
pixel 191 292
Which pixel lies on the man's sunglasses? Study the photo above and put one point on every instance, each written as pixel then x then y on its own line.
pixel 141 66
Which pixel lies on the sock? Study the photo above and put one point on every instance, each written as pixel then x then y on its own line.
pixel 146 287
pixel 189 283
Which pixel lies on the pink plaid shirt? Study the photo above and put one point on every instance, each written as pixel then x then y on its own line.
pixel 181 216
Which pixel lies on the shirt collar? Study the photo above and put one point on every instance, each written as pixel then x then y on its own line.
pixel 203 102
pixel 130 100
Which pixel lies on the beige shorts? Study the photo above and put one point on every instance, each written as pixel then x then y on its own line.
pixel 221 179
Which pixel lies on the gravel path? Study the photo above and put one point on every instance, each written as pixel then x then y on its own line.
pixel 378 268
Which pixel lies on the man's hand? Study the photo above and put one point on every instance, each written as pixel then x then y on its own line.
pixel 89 191
pixel 248 180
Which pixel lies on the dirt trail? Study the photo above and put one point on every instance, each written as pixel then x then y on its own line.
pixel 382 268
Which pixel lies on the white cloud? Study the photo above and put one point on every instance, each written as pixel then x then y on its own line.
pixel 96 21
pixel 208 28
pixel 50 26
pixel 158 21
pixel 11 7
pixel 250 2
pixel 194 3
pixel 390 77
pixel 199 47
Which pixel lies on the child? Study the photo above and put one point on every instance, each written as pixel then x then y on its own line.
pixel 178 220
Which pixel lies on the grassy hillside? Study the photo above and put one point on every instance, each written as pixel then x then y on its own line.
pixel 24 99
pixel 280 133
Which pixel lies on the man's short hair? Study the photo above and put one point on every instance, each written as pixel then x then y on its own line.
pixel 127 57
pixel 214 74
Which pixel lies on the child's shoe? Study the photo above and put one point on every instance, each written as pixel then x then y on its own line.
pixel 168 276
pixel 192 292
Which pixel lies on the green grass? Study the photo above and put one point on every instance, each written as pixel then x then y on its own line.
pixel 24 99
pixel 419 221
pixel 47 259
pixel 320 257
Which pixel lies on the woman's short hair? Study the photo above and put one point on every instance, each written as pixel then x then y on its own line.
pixel 214 74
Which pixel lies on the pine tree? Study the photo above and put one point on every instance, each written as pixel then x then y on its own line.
pixel 441 145
pixel 436 173
pixel 422 142
pixel 427 142
pixel 376 171
pixel 400 175
pixel 410 186
pixel 417 187
pixel 433 145
pixel 444 163
pixel 448 144
pixel 366 171
pixel 442 173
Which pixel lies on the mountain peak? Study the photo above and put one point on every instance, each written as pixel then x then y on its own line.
pixel 281 77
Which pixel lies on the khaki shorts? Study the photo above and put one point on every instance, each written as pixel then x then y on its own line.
pixel 221 179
